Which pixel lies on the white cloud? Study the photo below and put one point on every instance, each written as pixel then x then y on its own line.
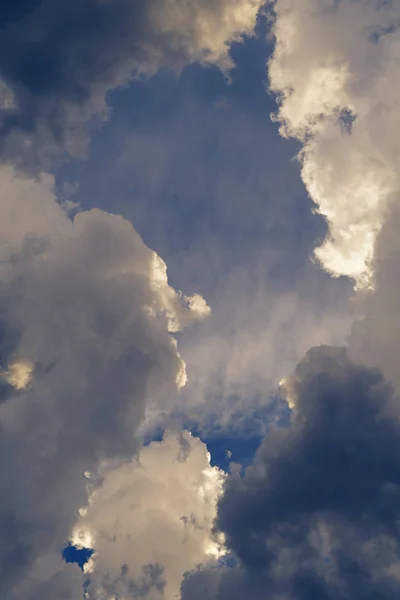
pixel 170 303
pixel 18 373
pixel 157 510
pixel 335 68
pixel 203 31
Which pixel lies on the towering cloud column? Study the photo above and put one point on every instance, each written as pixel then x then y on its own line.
pixel 86 311
pixel 336 74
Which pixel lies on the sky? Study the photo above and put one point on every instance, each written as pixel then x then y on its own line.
pixel 199 300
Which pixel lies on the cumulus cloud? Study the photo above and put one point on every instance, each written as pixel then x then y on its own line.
pixel 335 71
pixel 59 61
pixel 85 345
pixel 87 316
pixel 316 515
pixel 151 520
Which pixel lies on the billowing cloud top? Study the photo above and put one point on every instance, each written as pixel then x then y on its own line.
pixel 335 71
pixel 85 319
pixel 151 520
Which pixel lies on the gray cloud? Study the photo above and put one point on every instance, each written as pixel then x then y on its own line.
pixel 85 317
pixel 316 515
pixel 85 308
pixel 59 60
pixel 375 335
pixel 214 189
pixel 87 305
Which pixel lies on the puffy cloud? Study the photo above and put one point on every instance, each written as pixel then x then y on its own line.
pixel 316 515
pixel 151 520
pixel 59 61
pixel 85 343
pixel 335 71
pixel 18 374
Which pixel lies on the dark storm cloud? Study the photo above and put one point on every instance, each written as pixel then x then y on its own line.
pixel 316 515
pixel 58 60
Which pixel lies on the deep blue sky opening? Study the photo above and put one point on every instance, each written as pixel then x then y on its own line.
pixel 79 556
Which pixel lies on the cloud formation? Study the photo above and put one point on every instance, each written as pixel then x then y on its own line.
pixel 86 313
pixel 252 340
pixel 151 520
pixel 214 189
pixel 335 70
pixel 316 515
pixel 60 60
